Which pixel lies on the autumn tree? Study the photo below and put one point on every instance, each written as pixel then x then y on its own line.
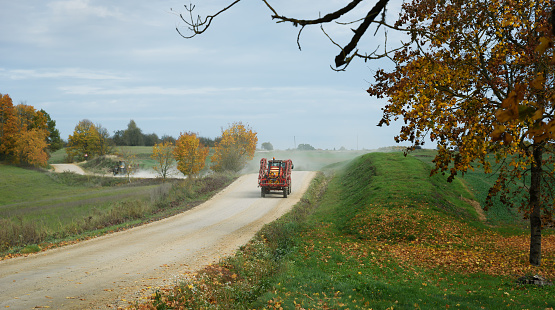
pixel 475 80
pixel 23 133
pixel 162 153
pixel 190 154
pixel 89 139
pixel 8 126
pixel 31 138
pixel 236 147
pixel 31 146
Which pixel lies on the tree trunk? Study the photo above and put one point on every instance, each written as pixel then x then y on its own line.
pixel 535 208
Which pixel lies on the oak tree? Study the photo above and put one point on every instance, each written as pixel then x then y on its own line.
pixel 474 80
pixel 190 154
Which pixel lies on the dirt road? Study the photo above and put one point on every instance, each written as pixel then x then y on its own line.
pixel 68 168
pixel 121 267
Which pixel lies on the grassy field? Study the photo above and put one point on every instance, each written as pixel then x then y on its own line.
pixel 40 209
pixel 378 233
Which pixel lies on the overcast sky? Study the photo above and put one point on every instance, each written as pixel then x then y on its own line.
pixel 113 61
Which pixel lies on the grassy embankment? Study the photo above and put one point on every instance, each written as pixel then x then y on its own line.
pixel 377 234
pixel 41 209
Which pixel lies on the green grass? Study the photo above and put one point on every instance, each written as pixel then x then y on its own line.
pixel 479 184
pixel 19 185
pixel 377 234
pixel 58 157
pixel 141 152
pixel 38 206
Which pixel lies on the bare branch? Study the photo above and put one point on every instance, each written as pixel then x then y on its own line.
pixel 341 59
pixel 199 26
pixel 326 19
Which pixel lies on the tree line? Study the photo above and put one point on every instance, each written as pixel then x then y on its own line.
pixel 28 137
pixel 90 140
pixel 231 151
pixel 134 136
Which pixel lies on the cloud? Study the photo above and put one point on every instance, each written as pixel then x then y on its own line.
pixel 167 52
pixel 178 91
pixel 80 8
pixel 74 73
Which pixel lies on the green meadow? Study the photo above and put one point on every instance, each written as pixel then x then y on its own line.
pixel 41 209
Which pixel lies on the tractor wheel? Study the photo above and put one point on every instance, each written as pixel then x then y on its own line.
pixel 262 192
pixel 285 192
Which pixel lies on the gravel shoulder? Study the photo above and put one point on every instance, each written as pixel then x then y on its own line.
pixel 122 267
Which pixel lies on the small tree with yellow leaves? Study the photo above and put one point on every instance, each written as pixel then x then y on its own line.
pixel 190 154
pixel 235 149
pixel 162 153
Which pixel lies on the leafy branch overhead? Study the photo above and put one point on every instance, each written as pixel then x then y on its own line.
pixel 198 25
pixel 477 80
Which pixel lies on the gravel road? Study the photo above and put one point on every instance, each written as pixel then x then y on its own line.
pixel 122 267
pixel 68 168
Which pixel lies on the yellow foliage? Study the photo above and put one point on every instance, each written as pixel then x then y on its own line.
pixel 236 147
pixel 23 133
pixel 190 154
pixel 162 153
pixel 86 139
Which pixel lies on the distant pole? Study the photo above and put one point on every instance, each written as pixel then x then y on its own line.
pixel 357 141
pixel 295 141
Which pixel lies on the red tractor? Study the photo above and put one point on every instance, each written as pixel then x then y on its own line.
pixel 275 175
